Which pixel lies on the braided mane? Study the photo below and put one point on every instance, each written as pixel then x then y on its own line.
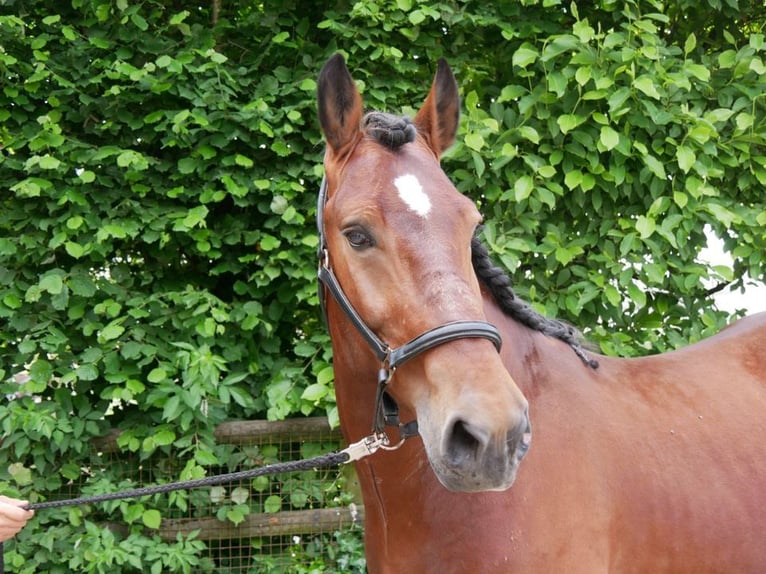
pixel 393 132
pixel 499 284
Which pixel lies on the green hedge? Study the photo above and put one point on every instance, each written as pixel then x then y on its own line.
pixel 159 166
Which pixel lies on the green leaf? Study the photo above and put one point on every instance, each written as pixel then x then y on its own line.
pixel 723 214
pixel 12 301
pixel 196 217
pixel 573 178
pixel 87 372
pixel 308 85
pixel 474 141
pixel 315 392
pixel 235 515
pixel 690 44
pixel 162 62
pixel 171 411
pixel 139 21
pixel 568 122
pixel 718 115
pixel 584 31
pixel 612 295
pixel 152 518
pixel 243 160
pixel 280 38
pixel 74 249
pixel 646 84
pixel 744 121
pixel 217 495
pixel 557 83
pixel 637 295
pixel 559 45
pixel 724 271
pixel 164 437
pixel 698 71
pixel 645 226
pixel 216 57
pixel 680 198
pixel 686 158
pixel 52 283
pixel 20 474
pixel 618 98
pixel 655 166
pixel 241 397
pixel 176 19
pixel 757 66
pixel 416 17
pixel 547 171
pixel 326 375
pixel 525 55
pixel 269 242
pixel 565 254
pixel 49 162
pixel 523 187
pixel 187 165
pixel 609 138
pixel 583 75
pixel 27 188
pixel 240 495
pixel 272 504
pixel 87 176
pixel 530 133
pixel 112 331
pixel 156 375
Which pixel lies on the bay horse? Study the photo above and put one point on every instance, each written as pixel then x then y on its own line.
pixel 651 465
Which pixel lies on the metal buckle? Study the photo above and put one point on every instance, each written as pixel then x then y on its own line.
pixel 370 445
pixel 324 258
pixel 365 447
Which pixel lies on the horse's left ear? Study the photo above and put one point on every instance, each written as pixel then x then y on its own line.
pixel 438 119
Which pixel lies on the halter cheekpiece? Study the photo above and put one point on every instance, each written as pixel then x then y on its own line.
pixel 386 410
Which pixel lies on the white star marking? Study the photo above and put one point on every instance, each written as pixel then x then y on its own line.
pixel 412 194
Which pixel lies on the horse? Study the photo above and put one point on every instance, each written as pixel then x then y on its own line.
pixel 522 450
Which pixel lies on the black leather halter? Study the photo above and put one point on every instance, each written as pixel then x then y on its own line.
pixel 386 412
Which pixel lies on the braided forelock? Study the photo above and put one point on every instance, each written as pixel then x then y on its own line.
pixel 390 130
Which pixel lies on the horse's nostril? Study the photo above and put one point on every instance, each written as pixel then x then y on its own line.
pixel 520 438
pixel 462 443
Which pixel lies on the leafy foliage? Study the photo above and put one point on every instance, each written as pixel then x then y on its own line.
pixel 159 165
pixel 612 149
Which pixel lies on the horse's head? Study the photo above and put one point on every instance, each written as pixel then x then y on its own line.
pixel 398 238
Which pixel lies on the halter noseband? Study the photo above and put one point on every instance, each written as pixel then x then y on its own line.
pixel 386 411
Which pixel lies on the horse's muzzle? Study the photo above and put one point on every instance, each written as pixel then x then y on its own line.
pixel 473 458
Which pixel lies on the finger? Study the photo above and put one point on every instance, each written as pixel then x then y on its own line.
pixel 15 513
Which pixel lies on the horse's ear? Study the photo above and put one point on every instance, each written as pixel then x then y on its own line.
pixel 339 105
pixel 438 119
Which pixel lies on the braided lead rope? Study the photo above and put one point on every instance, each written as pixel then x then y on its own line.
pixel 365 447
pixel 358 450
pixel 322 461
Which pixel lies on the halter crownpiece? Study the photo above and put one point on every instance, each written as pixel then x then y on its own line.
pixel 386 411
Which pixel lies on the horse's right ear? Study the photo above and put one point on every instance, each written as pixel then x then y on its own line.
pixel 339 105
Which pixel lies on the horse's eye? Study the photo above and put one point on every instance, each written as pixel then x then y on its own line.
pixel 358 238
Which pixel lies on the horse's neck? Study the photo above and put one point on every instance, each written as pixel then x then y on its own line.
pixel 388 478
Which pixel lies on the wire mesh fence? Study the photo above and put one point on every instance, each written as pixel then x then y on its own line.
pixel 299 522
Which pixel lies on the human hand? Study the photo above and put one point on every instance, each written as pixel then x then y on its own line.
pixel 12 516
